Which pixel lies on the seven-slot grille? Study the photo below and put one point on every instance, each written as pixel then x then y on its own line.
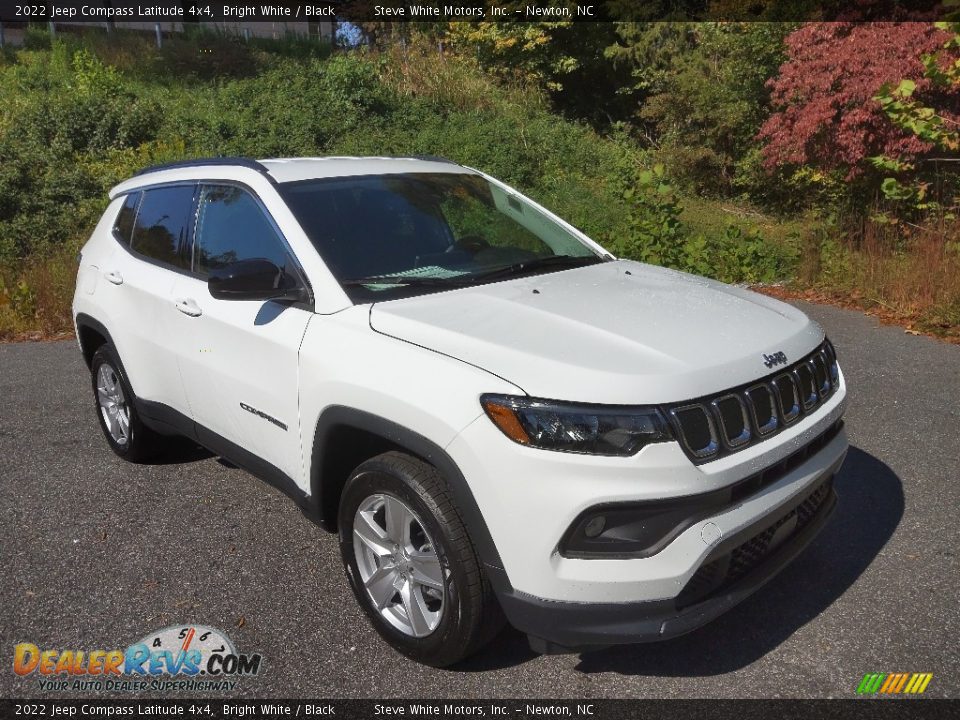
pixel 714 426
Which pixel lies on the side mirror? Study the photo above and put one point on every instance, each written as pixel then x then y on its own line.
pixel 255 279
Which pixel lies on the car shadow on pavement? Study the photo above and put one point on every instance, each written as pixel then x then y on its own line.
pixel 869 510
pixel 180 449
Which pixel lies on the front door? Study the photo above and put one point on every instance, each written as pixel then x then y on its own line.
pixel 239 358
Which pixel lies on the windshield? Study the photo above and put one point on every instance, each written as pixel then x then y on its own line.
pixel 385 236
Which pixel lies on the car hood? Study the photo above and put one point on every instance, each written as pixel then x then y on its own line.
pixel 615 332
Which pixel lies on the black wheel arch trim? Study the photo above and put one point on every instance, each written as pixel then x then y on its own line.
pixel 82 320
pixel 340 416
pixel 166 420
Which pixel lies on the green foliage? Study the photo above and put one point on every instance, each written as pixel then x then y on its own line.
pixel 36 37
pixel 21 297
pixel 76 124
pixel 701 96
pixel 908 186
pixel 86 113
pixel 522 50
pixel 920 120
pixel 738 256
pixel 67 107
pixel 563 58
pixel 656 233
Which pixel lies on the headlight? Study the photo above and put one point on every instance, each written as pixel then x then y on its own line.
pixel 570 427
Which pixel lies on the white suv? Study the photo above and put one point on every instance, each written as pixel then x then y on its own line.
pixel 500 419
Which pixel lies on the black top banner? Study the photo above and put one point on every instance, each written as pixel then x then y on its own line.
pixel 199 11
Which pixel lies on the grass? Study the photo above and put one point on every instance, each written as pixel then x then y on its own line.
pixel 453 83
pixel 707 216
pixel 905 275
pixel 85 111
pixel 35 296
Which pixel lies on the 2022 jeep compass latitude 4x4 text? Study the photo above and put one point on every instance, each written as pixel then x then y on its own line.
pixel 501 421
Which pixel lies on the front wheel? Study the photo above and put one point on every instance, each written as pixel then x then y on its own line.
pixel 411 564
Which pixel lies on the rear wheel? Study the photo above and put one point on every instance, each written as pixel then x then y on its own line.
pixel 411 564
pixel 127 436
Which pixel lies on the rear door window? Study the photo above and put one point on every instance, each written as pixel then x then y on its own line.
pixel 123 227
pixel 160 230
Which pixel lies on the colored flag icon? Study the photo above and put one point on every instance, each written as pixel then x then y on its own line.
pixel 894 683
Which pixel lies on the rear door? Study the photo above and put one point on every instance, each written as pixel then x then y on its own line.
pixel 152 232
pixel 239 358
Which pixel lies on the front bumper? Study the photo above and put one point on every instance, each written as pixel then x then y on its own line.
pixel 735 569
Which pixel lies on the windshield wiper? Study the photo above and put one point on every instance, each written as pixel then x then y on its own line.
pixel 540 263
pixel 405 280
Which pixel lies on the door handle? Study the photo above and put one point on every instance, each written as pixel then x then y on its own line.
pixel 188 306
pixel 113 276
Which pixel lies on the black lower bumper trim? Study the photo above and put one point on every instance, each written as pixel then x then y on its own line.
pixel 641 529
pixel 556 627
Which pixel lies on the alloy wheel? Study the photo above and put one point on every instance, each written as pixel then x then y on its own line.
pixel 113 404
pixel 399 565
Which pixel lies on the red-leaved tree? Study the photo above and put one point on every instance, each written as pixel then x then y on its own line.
pixel 826 116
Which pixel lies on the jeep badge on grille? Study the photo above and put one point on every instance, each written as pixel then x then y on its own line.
pixel 777 358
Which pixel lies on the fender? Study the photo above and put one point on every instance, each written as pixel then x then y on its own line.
pixel 339 416
pixel 84 320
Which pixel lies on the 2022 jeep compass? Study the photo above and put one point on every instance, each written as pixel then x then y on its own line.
pixel 500 419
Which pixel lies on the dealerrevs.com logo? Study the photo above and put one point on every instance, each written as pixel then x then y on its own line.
pixel 179 657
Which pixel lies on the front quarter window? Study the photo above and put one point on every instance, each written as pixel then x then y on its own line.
pixel 231 226
pixel 385 236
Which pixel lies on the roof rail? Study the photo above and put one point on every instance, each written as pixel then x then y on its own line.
pixel 200 162
pixel 434 158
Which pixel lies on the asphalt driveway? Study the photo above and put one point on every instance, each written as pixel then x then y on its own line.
pixel 95 553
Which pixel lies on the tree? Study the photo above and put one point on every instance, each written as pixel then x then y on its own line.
pixel 935 120
pixel 525 50
pixel 564 58
pixel 706 107
pixel 827 117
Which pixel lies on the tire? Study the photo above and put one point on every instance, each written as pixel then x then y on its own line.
pixel 449 622
pixel 113 400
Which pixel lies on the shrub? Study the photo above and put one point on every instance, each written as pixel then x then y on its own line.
pixel 36 37
pixel 655 233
